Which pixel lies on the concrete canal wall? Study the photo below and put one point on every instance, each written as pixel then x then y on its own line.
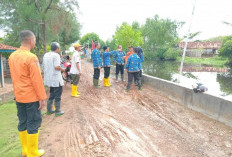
pixel 209 105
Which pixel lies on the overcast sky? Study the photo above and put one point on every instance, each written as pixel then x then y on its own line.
pixel 103 16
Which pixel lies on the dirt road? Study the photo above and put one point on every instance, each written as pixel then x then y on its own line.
pixel 111 122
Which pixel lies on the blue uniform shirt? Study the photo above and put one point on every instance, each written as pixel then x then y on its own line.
pixel 133 63
pixel 106 58
pixel 96 58
pixel 118 57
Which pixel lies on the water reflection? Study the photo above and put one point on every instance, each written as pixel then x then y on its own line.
pixel 161 69
pixel 218 80
pixel 225 80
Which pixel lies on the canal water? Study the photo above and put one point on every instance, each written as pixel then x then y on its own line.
pixel 217 80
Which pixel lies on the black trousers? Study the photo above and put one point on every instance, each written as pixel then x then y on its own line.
pixel 96 73
pixel 29 116
pixel 119 68
pixel 139 75
pixel 132 75
pixel 55 93
pixel 106 72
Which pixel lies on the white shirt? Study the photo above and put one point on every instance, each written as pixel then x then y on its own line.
pixel 52 77
pixel 75 59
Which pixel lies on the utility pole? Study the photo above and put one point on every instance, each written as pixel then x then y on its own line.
pixel 186 41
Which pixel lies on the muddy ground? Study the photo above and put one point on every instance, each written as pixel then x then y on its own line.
pixel 111 122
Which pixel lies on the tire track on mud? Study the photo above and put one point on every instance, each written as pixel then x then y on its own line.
pixel 111 122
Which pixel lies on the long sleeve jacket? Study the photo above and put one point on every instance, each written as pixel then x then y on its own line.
pixel 118 57
pixel 142 60
pixel 106 58
pixel 133 63
pixel 96 57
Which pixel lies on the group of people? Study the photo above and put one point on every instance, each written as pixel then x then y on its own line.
pixel 29 90
pixel 131 61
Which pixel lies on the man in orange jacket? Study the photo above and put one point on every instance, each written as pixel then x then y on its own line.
pixel 29 93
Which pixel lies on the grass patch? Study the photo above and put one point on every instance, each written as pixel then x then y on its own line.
pixel 9 140
pixel 213 61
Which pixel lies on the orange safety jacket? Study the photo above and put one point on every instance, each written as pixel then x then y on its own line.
pixel 26 76
pixel 127 56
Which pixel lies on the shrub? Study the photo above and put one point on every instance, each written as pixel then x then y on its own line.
pixel 226 48
pixel 171 54
pixel 150 55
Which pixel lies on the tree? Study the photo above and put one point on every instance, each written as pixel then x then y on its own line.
pixel 89 37
pixel 160 35
pixel 111 43
pixel 136 26
pixel 39 17
pixel 226 48
pixel 70 31
pixel 192 35
pixel 215 39
pixel 227 23
pixel 125 35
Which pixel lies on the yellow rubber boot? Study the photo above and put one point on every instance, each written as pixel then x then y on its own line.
pixel 53 106
pixel 23 140
pixel 108 81
pixel 105 83
pixel 78 93
pixel 74 91
pixel 32 146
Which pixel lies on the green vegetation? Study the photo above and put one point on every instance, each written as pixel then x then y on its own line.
pixel 214 61
pixel 50 20
pixel 215 39
pixel 9 141
pixel 126 35
pixel 226 48
pixel 158 37
pixel 89 37
pixel 225 82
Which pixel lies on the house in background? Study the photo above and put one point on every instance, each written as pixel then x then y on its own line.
pixel 199 49
pixel 3 62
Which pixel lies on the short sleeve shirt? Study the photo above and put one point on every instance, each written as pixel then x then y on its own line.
pixel 75 59
pixel 52 77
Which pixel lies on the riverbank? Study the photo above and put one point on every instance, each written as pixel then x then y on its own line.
pixel 213 61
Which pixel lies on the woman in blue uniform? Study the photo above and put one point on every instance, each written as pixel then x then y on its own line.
pixel 106 64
